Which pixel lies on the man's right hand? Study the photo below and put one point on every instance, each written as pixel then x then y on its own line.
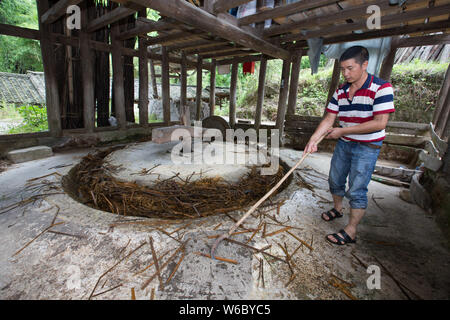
pixel 311 147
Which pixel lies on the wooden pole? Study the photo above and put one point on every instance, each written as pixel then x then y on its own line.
pixel 153 79
pixel 334 81
pixel 284 87
pixel 143 78
pixel 198 99
pixel 442 111
pixel 87 67
pixel 183 93
pixel 388 63
pixel 261 92
pixel 233 87
pixel 295 74
pixel 165 85
pixel 118 77
pixel 212 88
pixel 51 85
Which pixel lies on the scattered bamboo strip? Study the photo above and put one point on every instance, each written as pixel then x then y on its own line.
pixel 152 295
pixel 175 269
pixel 100 293
pixel 293 276
pixel 151 264
pixel 235 233
pixel 155 259
pixel 254 234
pixel 342 287
pixel 133 294
pixel 117 263
pixel 29 242
pixel 255 249
pixel 216 257
pixel 216 227
pixel 146 283
pixel 66 234
pixel 301 241
pixel 47 175
pixel 56 214
pixel 262 274
pixel 277 232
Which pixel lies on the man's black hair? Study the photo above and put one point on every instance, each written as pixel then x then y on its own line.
pixel 359 53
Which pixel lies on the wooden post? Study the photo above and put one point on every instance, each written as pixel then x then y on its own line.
pixel 143 78
pixel 153 79
pixel 87 67
pixel 212 88
pixel 233 87
pixel 334 82
pixel 261 92
pixel 198 99
pixel 281 114
pixel 388 63
pixel 441 113
pixel 165 79
pixel 118 77
pixel 295 74
pixel 51 85
pixel 183 80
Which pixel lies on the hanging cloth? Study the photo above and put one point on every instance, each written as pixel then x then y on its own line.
pixel 248 67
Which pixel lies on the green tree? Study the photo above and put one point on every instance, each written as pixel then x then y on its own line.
pixel 18 55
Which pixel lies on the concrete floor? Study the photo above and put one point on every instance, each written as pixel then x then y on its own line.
pixel 398 237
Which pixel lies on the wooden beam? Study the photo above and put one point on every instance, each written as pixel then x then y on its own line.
pixel 430 40
pixel 110 17
pixel 173 37
pixel 442 104
pixel 87 67
pixel 58 10
pixel 284 87
pixel 388 63
pixel 165 85
pixel 261 92
pixel 118 77
pixel 200 19
pixel 334 82
pixel 212 88
pixel 284 10
pixel 224 5
pixel 236 53
pixel 295 74
pixel 233 87
pixel 9 30
pixel 52 97
pixel 198 98
pixel 143 78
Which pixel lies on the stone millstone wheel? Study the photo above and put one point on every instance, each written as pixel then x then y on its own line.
pixel 216 122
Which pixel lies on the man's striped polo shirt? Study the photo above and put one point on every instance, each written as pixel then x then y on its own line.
pixel 376 96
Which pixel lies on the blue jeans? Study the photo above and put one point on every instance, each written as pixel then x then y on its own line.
pixel 357 161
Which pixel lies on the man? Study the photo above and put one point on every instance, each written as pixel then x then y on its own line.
pixel 363 105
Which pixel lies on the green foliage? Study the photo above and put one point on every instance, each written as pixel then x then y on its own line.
pixel 17 55
pixel 34 120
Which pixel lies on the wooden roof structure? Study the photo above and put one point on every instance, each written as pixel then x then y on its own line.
pixel 201 34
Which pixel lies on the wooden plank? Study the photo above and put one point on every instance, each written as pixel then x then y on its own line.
pixel 224 5
pixel 212 88
pixel 173 37
pixel 200 19
pixel 14 31
pixel 144 26
pixel 284 10
pixel 87 67
pixel 388 63
pixel 143 79
pixel 233 87
pixel 440 104
pixel 362 24
pixel 118 77
pixel 261 92
pixel 165 85
pixel 153 80
pixel 198 98
pixel 58 10
pixel 284 88
pixel 52 97
pixel 424 40
pixel 295 74
pixel 110 17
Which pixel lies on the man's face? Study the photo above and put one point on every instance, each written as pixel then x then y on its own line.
pixel 352 70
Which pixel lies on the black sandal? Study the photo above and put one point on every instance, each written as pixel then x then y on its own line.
pixel 337 214
pixel 341 240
